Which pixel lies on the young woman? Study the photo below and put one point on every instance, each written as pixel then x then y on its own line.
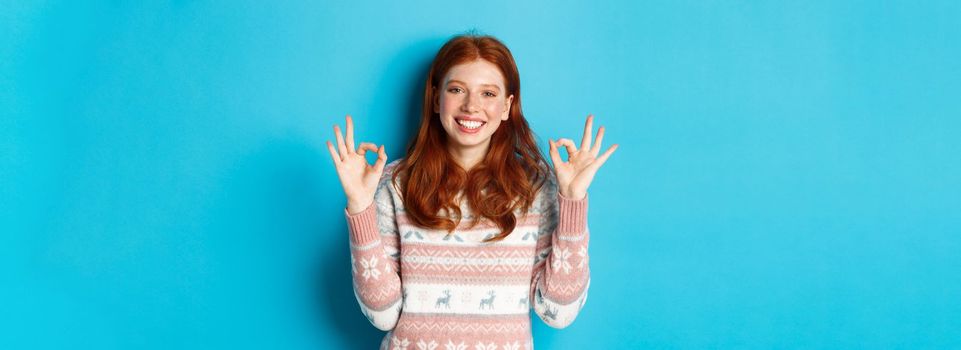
pixel 452 245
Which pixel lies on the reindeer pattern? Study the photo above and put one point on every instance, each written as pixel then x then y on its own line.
pixel 522 302
pixel 550 313
pixel 463 300
pixel 444 300
pixel 489 301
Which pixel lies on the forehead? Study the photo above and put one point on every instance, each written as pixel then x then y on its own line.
pixel 478 72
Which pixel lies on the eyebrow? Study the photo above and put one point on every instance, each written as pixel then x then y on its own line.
pixel 463 83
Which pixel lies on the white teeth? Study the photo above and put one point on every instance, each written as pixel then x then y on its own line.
pixel 470 124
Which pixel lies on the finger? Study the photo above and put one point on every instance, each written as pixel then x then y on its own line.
pixel 596 148
pixel 588 129
pixel 381 160
pixel 350 134
pixel 364 147
pixel 555 156
pixel 333 154
pixel 341 147
pixel 569 145
pixel 607 154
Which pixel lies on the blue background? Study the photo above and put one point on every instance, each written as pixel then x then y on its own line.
pixel 789 174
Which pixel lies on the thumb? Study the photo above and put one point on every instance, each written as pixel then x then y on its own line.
pixel 381 160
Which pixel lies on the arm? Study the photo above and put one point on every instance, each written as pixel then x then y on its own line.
pixel 561 279
pixel 375 259
pixel 561 271
pixel 371 227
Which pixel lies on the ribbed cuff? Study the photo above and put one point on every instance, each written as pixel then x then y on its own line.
pixel 572 215
pixel 363 225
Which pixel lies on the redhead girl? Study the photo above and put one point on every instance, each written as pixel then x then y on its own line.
pixel 454 244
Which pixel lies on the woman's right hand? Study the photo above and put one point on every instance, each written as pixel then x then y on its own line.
pixel 358 177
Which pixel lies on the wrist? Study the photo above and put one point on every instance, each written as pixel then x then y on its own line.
pixel 573 195
pixel 355 207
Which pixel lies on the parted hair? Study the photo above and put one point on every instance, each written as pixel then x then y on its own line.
pixel 507 179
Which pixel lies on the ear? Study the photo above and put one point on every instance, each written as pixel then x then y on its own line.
pixel 507 107
pixel 436 101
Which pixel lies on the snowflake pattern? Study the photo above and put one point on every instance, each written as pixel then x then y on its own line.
pixel 370 268
pixel 451 346
pixel 400 344
pixel 512 346
pixel 422 345
pixel 482 346
pixel 560 260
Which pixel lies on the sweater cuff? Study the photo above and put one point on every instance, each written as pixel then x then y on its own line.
pixel 363 225
pixel 572 215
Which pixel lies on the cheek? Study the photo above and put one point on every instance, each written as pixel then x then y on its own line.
pixel 448 105
pixel 496 109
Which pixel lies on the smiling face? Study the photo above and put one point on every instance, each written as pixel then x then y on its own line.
pixel 471 104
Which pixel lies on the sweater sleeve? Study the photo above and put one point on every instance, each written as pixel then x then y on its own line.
pixel 561 275
pixel 374 259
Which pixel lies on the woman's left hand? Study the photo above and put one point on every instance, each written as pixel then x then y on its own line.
pixel 575 175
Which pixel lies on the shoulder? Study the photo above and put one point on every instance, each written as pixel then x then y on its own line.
pixel 388 176
pixel 550 182
pixel 390 167
pixel 546 197
pixel 550 179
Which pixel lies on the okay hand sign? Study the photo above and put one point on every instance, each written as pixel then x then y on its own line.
pixel 358 177
pixel 575 175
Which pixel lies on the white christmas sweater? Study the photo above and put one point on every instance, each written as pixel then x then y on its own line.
pixel 431 290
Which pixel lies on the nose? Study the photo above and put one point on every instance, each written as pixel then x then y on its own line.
pixel 470 104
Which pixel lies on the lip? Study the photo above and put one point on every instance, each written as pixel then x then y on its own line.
pixel 467 117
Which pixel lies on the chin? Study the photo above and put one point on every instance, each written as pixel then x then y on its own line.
pixel 472 142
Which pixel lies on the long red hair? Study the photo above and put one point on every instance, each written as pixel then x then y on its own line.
pixel 508 177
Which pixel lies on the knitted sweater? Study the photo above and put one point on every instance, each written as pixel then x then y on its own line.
pixel 431 290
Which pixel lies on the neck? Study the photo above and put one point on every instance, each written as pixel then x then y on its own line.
pixel 468 157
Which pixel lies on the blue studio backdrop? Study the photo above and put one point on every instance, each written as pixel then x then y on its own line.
pixel 789 174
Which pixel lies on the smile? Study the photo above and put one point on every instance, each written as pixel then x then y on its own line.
pixel 470 124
